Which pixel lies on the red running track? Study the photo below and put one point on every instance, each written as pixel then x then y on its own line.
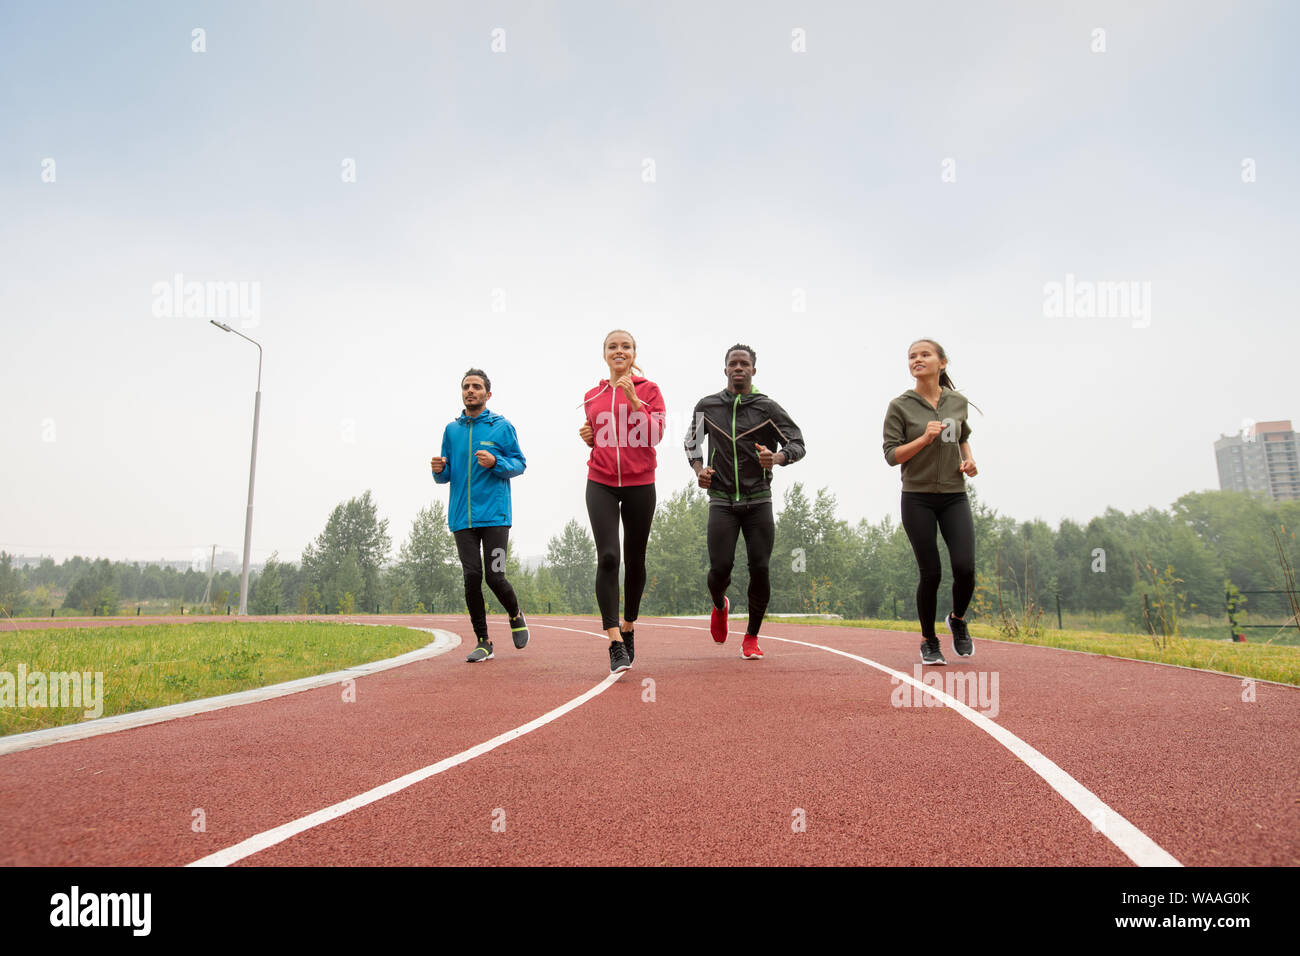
pixel 717 768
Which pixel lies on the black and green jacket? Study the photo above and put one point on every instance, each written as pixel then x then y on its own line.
pixel 734 425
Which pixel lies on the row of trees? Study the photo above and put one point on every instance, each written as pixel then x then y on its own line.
pixel 820 563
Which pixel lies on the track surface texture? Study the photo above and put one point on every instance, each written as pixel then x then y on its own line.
pixel 694 756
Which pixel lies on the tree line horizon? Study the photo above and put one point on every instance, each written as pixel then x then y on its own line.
pixel 1204 543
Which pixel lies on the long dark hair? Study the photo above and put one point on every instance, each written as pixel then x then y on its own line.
pixel 945 381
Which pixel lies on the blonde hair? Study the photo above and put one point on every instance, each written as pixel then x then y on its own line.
pixel 636 368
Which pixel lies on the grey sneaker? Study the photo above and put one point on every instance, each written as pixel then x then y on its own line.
pixel 930 651
pixel 961 642
pixel 618 659
pixel 519 631
pixel 482 652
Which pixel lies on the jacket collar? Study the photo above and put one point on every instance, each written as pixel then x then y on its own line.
pixel 944 392
pixel 486 416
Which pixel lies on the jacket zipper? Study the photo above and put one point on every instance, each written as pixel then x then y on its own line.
pixel 735 457
pixel 469 473
pixel 618 462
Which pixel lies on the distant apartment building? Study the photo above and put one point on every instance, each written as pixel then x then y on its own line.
pixel 1264 460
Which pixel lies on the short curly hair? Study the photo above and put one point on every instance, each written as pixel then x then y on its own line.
pixel 753 356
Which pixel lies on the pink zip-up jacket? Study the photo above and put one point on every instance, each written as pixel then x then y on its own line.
pixel 624 453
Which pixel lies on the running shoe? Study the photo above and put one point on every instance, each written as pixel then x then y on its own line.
pixel 930 651
pixel 627 642
pixel 961 642
pixel 482 652
pixel 718 623
pixel 618 659
pixel 519 631
pixel 749 648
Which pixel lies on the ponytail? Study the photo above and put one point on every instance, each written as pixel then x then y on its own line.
pixel 944 380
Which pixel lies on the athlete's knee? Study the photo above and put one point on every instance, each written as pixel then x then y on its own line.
pixel 930 577
pixel 720 572
pixel 607 561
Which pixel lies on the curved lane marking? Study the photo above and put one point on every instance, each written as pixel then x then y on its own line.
pixel 269 838
pixel 1130 841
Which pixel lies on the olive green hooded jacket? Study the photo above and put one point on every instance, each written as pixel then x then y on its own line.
pixel 937 467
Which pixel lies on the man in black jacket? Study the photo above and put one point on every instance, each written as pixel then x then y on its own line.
pixel 743 427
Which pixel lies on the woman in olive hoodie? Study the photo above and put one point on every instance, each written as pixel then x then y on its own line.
pixel 927 434
pixel 625 420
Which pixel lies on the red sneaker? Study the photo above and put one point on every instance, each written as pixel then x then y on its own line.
pixel 718 623
pixel 749 648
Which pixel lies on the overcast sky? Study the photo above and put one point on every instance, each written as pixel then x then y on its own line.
pixel 406 202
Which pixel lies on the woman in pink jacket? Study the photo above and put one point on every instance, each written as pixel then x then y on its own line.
pixel 625 420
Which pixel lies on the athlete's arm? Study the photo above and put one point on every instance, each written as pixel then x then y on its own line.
pixel 790 439
pixel 694 443
pixel 653 406
pixel 444 476
pixel 510 460
pixel 905 453
pixel 968 461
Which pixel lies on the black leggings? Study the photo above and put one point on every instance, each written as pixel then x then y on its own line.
pixel 493 542
pixel 950 513
pixel 726 521
pixel 638 511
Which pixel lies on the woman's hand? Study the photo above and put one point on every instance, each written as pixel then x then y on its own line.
pixel 968 467
pixel 587 435
pixel 932 431
pixel 625 383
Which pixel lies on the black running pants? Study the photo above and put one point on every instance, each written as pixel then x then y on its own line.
pixel 636 505
pixel 949 514
pixel 727 520
pixel 493 543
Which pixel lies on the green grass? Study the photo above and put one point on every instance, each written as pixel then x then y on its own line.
pixel 1261 661
pixel 151 665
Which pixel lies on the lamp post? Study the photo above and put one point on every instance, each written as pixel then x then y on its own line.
pixel 252 469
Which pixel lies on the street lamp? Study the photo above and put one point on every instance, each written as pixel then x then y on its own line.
pixel 252 469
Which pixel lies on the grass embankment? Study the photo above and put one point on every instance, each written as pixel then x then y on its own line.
pixel 152 665
pixel 1264 662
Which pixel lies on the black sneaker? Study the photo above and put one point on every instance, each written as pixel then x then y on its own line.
pixel 961 642
pixel 519 631
pixel 618 659
pixel 627 642
pixel 930 651
pixel 482 652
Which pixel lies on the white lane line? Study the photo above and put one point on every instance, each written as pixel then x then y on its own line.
pixel 443 641
pixel 1131 841
pixel 269 838
pixel 556 627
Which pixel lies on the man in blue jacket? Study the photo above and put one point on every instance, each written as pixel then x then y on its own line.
pixel 480 454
